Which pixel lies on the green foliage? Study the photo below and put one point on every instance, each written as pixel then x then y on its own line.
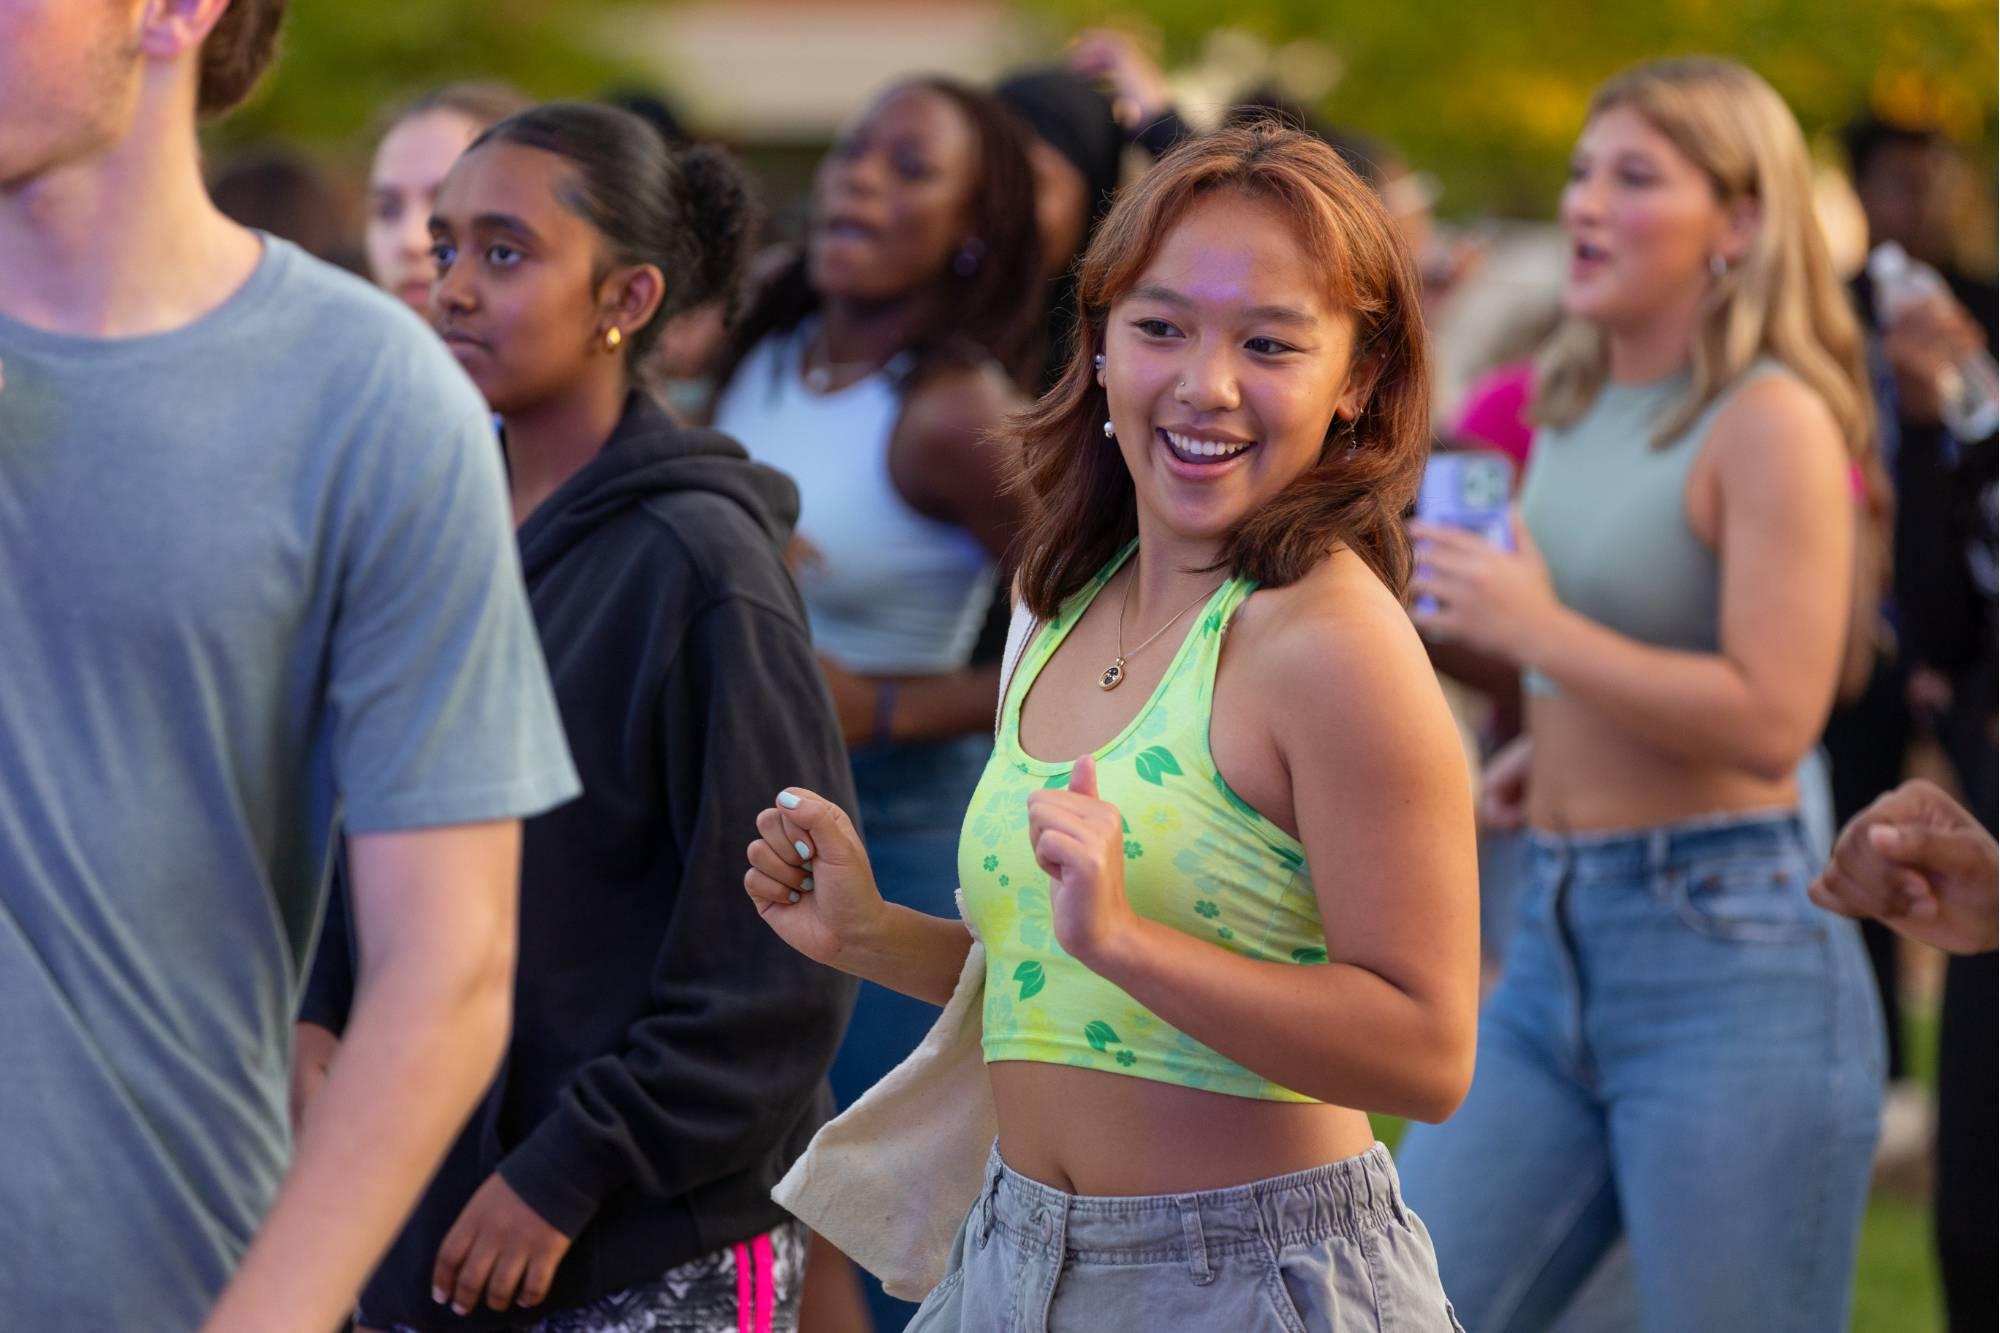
pixel 1490 96
pixel 341 63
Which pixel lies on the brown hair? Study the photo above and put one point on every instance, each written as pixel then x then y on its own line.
pixel 484 102
pixel 1080 500
pixel 236 52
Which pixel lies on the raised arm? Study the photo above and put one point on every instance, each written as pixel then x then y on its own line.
pixel 1784 529
pixel 434 909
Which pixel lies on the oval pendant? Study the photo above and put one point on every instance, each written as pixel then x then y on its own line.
pixel 1112 675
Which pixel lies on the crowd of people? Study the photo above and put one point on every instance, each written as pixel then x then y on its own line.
pixel 577 784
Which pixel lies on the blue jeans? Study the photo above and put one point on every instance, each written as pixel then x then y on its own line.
pixel 1683 1050
pixel 913 800
pixel 1330 1250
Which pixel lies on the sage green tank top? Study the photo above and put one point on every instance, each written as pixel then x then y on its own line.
pixel 1608 508
pixel 1197 858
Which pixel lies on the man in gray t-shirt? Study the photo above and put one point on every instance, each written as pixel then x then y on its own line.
pixel 256 574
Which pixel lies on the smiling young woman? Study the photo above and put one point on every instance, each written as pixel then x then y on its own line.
pixel 1228 902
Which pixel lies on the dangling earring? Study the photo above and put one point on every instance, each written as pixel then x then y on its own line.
pixel 1718 267
pixel 1109 432
pixel 1346 431
pixel 612 337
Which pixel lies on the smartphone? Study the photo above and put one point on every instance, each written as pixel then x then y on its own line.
pixel 1469 489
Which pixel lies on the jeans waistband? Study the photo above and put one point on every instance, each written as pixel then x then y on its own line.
pixel 1353 1197
pixel 1643 851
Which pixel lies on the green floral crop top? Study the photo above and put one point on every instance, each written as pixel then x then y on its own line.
pixel 1197 858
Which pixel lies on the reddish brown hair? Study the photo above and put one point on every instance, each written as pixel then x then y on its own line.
pixel 236 52
pixel 1081 507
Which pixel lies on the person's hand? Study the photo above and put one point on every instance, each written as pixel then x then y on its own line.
pixel 1919 863
pixel 1079 842
pixel 1491 600
pixel 1924 339
pixel 855 699
pixel 1503 785
pixel 313 1049
pixel 500 1250
pixel 1139 90
pixel 809 876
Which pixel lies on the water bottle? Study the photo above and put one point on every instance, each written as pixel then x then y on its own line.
pixel 1968 388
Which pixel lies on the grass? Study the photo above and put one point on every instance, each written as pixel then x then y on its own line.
pixel 1895 1283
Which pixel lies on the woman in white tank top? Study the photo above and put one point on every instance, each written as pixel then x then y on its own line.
pixel 875 369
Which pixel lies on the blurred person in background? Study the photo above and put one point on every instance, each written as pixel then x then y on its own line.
pixel 259 592
pixel 874 369
pixel 418 145
pixel 1076 148
pixel 668 1058
pixel 1682 1048
pixel 280 191
pixel 1938 674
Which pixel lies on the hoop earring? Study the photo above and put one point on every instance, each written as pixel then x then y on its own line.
pixel 612 337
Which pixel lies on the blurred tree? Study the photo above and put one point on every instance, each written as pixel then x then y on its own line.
pixel 1490 96
pixel 344 60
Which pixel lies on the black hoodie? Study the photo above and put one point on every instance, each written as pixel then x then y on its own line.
pixel 669 1053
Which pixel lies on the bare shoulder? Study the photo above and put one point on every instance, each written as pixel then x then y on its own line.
pixel 947 455
pixel 1339 632
pixel 955 407
pixel 1775 429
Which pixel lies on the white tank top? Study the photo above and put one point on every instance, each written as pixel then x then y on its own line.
pixel 888 591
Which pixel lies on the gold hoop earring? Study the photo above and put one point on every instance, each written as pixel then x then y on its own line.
pixel 612 338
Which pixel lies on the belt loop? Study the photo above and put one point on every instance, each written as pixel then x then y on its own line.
pixel 1659 856
pixel 986 1198
pixel 1197 1249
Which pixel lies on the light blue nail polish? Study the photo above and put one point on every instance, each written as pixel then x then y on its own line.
pixel 789 801
pixel 795 896
pixel 806 883
pixel 803 850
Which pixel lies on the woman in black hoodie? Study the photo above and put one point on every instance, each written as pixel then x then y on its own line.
pixel 668 1058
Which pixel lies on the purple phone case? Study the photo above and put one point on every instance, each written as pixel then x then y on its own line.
pixel 1470 490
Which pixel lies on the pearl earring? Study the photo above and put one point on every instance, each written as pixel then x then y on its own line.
pixel 1109 432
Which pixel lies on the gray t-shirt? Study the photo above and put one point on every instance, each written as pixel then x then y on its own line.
pixel 255 573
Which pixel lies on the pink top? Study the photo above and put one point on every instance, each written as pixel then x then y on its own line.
pixel 1495 412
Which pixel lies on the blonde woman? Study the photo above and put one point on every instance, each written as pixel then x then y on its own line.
pixel 1683 1049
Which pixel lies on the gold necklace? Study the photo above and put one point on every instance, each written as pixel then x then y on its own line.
pixel 1114 675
